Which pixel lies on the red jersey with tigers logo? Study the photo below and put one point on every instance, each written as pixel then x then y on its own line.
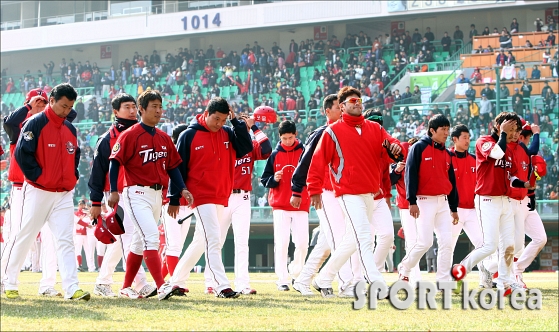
pixel 145 154
pixel 261 150
pixel 465 171
pixel 522 161
pixel 492 175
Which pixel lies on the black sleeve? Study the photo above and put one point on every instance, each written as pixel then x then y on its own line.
pixel 72 115
pixel 27 146
pixel 184 143
pixel 517 183
pixel 299 178
pixel 502 142
pixel 534 147
pixel 240 138
pixel 100 168
pixel 13 121
pixel 453 196
pixel 114 168
pixel 267 177
pixel 394 177
pixel 412 171
pixel 175 182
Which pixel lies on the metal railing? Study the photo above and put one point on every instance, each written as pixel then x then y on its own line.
pixel 506 104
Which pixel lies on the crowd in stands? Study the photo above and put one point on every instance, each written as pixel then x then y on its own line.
pixel 293 80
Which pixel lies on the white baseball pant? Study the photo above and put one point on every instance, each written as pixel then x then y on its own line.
pixel 434 215
pixel 470 224
pixel 116 251
pixel 48 259
pixel 89 247
pixel 101 249
pixel 358 213
pixel 175 233
pixel 390 261
pixel 143 206
pixel 80 242
pixel 497 225
pixel 14 225
pixel 382 229
pixel 237 214
pixel 520 210
pixel 332 230
pixel 206 240
pixel 533 227
pixel 410 238
pixel 57 209
pixel 295 223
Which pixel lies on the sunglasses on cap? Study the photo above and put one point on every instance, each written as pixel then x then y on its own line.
pixel 353 100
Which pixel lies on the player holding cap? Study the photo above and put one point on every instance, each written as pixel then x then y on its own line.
pixel 80 239
pixel 35 102
pixel 431 192
pixel 351 148
pixel 175 228
pixel 330 216
pixel 464 165
pixel 237 212
pixel 125 111
pixel 495 173
pixel 48 153
pixel 148 158
pixel 209 150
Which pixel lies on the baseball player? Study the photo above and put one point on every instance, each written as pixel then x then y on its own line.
pixel 408 223
pixel 330 216
pixel 175 233
pixel 237 212
pixel 46 151
pixel 82 239
pixel 432 202
pixel 148 159
pixel 495 173
pixel 531 225
pixel 351 148
pixel 125 111
pixel 35 102
pixel 287 219
pixel 209 150
pixel 464 165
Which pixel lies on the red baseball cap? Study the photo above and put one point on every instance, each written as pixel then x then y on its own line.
pixel 102 233
pixel 36 92
pixel 114 221
pixel 525 125
pixel 539 165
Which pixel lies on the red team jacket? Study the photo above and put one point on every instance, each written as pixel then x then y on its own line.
pixel 279 195
pixel 522 162
pixel 145 154
pixel 398 180
pixel 83 230
pixel 261 150
pixel 464 165
pixel 493 175
pixel 48 153
pixel 385 184
pixel 208 160
pixel 351 171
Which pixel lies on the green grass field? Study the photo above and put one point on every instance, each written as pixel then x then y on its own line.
pixel 268 310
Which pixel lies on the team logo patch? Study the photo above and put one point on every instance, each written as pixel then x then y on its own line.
pixel 116 147
pixel 71 148
pixel 486 146
pixel 28 136
pixel 524 165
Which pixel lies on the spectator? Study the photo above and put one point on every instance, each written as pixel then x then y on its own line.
pixel 518 106
pixel 548 97
pixel 462 79
pixel 485 105
pixel 538 24
pixel 488 92
pixel 470 93
pixel 535 73
pixel 505 40
pixel 522 73
pixel 445 42
pixel 476 76
pixel 474 109
pixel 526 90
pixel 473 33
pixel 485 32
pixel 550 41
pixel 429 35
pixel 514 27
pixel 458 37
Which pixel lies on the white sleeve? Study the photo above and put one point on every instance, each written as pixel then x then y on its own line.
pixel 497 152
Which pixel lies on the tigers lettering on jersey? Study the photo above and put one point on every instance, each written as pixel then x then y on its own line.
pixel 245 160
pixel 150 155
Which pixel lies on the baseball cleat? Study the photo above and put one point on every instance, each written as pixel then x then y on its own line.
pixel 148 291
pixel 325 292
pixel 485 279
pixel 520 281
pixel 166 291
pixel 283 288
pixel 209 290
pixel 248 291
pixel 458 287
pixel 104 291
pixel 305 290
pixel 129 292
pixel 12 294
pixel 228 293
pixel 181 291
pixel 348 292
pixel 81 295
pixel 51 292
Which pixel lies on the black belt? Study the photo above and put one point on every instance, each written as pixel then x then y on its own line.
pixel 154 187
pixel 239 191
